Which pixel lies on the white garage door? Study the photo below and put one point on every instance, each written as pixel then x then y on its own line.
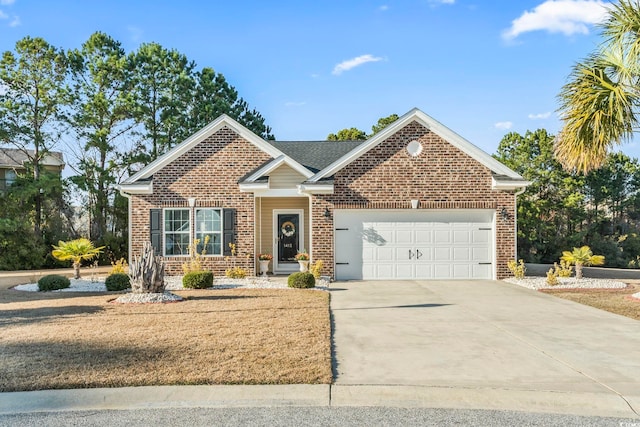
pixel 413 244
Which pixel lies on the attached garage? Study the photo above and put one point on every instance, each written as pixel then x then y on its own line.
pixel 414 244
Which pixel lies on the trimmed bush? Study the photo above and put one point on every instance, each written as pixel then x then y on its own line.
pixel 198 280
pixel 53 282
pixel 301 280
pixel 117 282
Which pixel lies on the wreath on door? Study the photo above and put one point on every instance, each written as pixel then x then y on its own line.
pixel 288 229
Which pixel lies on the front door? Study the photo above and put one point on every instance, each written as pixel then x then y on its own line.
pixel 289 239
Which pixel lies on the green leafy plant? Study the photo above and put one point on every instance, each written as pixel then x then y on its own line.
pixel 580 257
pixel 316 269
pixel 563 270
pixel 53 282
pixel 301 280
pixel 119 267
pixel 117 282
pixel 552 277
pixel 76 251
pixel 235 273
pixel 195 259
pixel 518 269
pixel 198 280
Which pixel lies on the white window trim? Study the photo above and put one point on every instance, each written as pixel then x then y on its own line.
pixel 221 232
pixel 164 230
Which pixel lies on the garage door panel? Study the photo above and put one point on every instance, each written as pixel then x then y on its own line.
pixel 461 271
pixel 461 237
pixel 385 254
pixel 480 254
pixel 441 236
pixel 481 236
pixel 461 254
pixel 442 254
pixel 414 244
pixel 403 237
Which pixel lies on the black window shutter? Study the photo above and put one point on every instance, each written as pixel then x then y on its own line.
pixel 228 230
pixel 155 228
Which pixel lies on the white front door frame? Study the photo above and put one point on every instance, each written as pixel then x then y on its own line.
pixel 280 268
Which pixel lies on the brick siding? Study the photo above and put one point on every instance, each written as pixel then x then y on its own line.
pixel 386 177
pixel 209 172
pixel 441 177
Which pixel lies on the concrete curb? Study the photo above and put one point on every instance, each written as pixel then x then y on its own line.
pixel 324 395
pixel 165 397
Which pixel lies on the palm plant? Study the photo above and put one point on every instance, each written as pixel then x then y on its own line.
pixel 580 257
pixel 76 251
pixel 599 104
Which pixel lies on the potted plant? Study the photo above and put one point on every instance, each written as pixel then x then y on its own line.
pixel 264 259
pixel 303 260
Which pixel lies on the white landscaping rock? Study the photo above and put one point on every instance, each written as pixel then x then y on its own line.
pixel 636 295
pixel 148 298
pixel 566 283
pixel 174 283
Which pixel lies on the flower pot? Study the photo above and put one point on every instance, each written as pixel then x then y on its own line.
pixel 304 265
pixel 264 267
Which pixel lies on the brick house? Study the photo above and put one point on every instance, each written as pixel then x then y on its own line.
pixel 415 200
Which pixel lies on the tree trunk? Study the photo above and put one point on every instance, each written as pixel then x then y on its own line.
pixel 147 272
pixel 578 270
pixel 76 270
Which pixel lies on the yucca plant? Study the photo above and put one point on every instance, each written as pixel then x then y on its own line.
pixel 580 257
pixel 76 251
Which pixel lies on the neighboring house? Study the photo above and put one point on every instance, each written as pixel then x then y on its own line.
pixel 13 162
pixel 414 201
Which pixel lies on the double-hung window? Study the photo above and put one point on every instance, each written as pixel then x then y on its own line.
pixel 208 229
pixel 177 232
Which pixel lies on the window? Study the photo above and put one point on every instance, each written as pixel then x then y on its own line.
pixel 208 224
pixel 9 177
pixel 177 226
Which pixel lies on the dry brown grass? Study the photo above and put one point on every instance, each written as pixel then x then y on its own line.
pixel 616 301
pixel 258 336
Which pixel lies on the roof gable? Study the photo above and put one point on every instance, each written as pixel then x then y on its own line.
pixel 201 135
pixel 434 126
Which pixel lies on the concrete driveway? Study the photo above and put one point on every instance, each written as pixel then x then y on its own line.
pixel 481 344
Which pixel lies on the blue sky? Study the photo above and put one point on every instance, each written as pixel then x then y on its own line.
pixel 482 68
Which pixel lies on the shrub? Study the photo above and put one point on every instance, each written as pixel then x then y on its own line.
pixel 198 280
pixel 517 268
pixel 316 269
pixel 552 277
pixel 117 282
pixel 236 273
pixel 119 267
pixel 301 280
pixel 53 282
pixel 563 270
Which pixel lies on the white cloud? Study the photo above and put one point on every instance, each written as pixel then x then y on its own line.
pixel 15 21
pixel 3 15
pixel 7 2
pixel 442 1
pixel 559 16
pixel 294 104
pixel 354 62
pixel 540 116
pixel 503 125
pixel 383 8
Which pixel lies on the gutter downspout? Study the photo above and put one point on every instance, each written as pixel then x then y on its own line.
pixel 129 210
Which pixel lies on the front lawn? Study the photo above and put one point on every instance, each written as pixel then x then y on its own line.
pixel 616 301
pixel 234 336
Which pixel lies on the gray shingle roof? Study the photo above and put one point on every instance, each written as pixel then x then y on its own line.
pixel 315 155
pixel 12 157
